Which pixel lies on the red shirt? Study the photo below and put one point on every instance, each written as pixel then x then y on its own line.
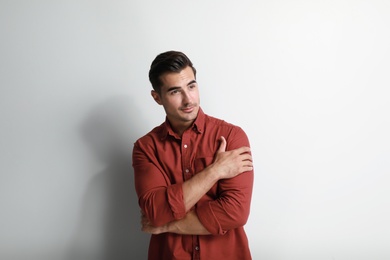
pixel 162 161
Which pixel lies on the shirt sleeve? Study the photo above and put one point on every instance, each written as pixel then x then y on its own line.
pixel 159 200
pixel 232 207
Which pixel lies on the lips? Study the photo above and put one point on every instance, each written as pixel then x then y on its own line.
pixel 188 109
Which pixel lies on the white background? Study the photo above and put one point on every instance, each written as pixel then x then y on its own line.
pixel 307 80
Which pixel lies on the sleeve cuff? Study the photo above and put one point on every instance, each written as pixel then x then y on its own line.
pixel 207 218
pixel 175 200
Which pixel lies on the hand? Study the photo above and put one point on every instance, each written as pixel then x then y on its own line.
pixel 229 164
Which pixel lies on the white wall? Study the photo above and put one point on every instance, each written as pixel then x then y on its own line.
pixel 307 80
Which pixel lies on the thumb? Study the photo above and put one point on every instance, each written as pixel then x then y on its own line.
pixel 222 146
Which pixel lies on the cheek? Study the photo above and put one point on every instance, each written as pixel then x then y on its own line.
pixel 195 96
pixel 172 102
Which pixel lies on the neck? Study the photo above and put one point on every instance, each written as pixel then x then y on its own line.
pixel 180 129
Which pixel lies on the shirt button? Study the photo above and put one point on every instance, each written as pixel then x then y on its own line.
pixel 187 171
pixel 197 248
pixel 185 146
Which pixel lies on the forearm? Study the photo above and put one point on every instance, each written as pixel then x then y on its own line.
pixel 163 205
pixel 189 225
pixel 198 186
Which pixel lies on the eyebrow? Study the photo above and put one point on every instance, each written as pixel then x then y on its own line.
pixel 191 82
pixel 174 88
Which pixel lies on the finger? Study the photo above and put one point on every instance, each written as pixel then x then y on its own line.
pixel 248 164
pixel 222 146
pixel 247 168
pixel 244 149
pixel 246 157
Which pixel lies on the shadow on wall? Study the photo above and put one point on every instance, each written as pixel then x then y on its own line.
pixel 109 226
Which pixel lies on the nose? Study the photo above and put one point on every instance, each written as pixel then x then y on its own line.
pixel 186 97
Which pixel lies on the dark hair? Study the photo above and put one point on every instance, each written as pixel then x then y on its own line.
pixel 170 61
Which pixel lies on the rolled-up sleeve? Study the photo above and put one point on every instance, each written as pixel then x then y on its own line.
pixel 160 201
pixel 231 208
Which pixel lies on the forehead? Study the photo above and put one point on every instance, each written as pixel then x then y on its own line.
pixel 178 79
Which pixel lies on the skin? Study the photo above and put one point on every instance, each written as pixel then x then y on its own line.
pixel 180 98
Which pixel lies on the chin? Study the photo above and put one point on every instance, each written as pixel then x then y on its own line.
pixel 189 117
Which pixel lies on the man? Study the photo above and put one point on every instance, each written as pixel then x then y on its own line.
pixel 193 173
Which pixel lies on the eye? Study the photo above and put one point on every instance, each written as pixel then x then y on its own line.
pixel 192 86
pixel 174 91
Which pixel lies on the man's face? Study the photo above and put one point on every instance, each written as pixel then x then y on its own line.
pixel 179 97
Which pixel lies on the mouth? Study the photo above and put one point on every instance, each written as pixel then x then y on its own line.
pixel 188 109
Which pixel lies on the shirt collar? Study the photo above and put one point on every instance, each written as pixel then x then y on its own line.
pixel 197 126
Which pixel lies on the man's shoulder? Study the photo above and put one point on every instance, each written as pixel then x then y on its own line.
pixel 234 134
pixel 214 121
pixel 222 127
pixel 156 132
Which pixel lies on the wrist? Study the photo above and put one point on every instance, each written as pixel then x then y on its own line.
pixel 213 173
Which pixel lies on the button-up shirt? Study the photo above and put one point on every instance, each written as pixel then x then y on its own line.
pixel 162 161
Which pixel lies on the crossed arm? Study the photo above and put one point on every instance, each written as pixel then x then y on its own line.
pixel 226 165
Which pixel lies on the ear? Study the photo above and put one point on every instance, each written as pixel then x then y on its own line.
pixel 156 97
